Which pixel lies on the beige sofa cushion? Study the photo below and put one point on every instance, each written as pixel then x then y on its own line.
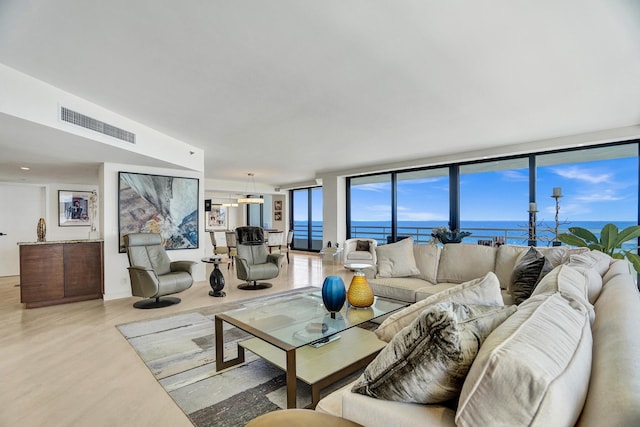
pixel 618 266
pixel 400 288
pixel 427 361
pixel 592 259
pixel 506 258
pixel 592 279
pixel 460 262
pixel 570 283
pixel 482 291
pixel 427 258
pixel 555 254
pixel 396 259
pixel 429 290
pixel 533 369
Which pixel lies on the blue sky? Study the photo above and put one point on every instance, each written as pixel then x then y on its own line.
pixel 604 190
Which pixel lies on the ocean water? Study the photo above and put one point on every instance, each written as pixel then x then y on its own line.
pixel 513 232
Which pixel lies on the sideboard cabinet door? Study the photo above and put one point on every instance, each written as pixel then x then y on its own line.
pixel 82 269
pixel 41 273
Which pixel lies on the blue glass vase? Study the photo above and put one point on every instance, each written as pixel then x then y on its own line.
pixel 333 294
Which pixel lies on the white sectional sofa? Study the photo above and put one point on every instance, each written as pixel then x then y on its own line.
pixel 569 354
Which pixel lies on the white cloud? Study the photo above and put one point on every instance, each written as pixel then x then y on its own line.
pixel 515 176
pixel 606 196
pixel 580 174
pixel 378 187
pixel 422 181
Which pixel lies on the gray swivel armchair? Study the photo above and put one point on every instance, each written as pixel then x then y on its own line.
pixel 254 262
pixel 152 273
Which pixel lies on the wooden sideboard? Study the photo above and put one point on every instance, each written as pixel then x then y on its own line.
pixel 61 272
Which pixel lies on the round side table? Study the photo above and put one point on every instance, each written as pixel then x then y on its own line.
pixel 216 279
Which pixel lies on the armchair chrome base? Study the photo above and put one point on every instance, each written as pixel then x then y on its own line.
pixel 254 286
pixel 157 302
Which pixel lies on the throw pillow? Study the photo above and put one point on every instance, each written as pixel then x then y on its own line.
pixel 397 259
pixel 482 291
pixel 555 254
pixel 533 370
pixel 592 259
pixel 527 273
pixel 570 283
pixel 427 258
pixel 461 262
pixel 428 361
pixel 362 245
pixel 593 279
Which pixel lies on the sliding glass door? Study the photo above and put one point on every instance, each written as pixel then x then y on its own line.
pixel 307 218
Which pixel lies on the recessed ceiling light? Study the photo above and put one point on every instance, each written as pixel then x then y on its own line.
pixel 24 168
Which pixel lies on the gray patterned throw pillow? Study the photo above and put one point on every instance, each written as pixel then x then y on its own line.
pixel 427 361
pixel 529 270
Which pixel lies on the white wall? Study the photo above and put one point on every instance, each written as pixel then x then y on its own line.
pixel 34 100
pixel 334 212
pixel 116 275
pixel 21 206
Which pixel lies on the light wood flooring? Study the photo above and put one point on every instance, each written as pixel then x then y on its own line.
pixel 68 365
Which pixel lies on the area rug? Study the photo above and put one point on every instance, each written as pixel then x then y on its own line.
pixel 179 349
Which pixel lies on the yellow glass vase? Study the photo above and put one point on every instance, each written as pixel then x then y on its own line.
pixel 360 293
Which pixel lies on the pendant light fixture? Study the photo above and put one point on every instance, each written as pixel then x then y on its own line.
pixel 251 200
pixel 230 204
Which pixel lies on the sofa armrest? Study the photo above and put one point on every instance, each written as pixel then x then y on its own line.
pixel 372 412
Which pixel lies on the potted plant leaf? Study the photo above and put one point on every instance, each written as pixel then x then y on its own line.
pixel 610 242
pixel 444 235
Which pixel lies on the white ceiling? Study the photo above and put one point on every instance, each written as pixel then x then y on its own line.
pixel 290 88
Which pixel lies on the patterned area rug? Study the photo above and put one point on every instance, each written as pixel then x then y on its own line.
pixel 179 349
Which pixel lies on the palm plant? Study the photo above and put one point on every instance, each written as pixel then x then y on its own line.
pixel 610 241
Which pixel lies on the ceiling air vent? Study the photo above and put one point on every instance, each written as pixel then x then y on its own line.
pixel 87 122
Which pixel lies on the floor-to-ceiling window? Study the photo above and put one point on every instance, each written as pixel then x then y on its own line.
pixel 422 202
pixel 391 206
pixel 597 186
pixel 307 218
pixel 494 200
pixel 371 207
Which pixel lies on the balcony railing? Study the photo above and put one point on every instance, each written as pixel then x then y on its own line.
pixel 301 237
pixel 422 235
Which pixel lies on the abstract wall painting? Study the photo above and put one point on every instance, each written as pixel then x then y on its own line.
pixel 159 204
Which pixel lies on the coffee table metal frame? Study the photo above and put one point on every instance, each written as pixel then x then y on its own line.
pixel 291 351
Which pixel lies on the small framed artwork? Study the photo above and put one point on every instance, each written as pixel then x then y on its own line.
pixel 277 205
pixel 73 208
pixel 216 218
pixel 207 205
pixel 277 216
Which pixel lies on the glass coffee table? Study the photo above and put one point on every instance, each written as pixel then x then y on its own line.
pixel 297 334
